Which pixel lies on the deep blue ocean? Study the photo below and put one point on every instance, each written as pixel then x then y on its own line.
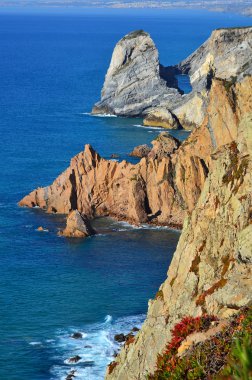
pixel 52 68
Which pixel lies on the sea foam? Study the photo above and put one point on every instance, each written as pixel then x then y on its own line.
pixel 96 348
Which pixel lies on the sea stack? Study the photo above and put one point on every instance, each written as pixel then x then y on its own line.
pixel 77 226
pixel 134 82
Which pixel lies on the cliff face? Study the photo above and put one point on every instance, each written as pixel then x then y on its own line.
pixel 137 85
pixel 226 54
pixel 133 83
pixel 211 268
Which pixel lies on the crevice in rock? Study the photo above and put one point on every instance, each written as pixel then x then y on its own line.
pixel 73 196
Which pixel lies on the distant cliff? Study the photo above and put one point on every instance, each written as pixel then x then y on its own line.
pixel 137 84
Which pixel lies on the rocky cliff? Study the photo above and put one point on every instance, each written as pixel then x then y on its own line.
pixel 226 54
pixel 163 186
pixel 137 85
pixel 205 183
pixel 211 268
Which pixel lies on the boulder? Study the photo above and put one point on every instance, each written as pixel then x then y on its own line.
pixel 135 330
pixel 161 117
pixel 163 146
pixel 71 375
pixel 140 151
pixel 77 335
pixel 74 359
pixel 120 338
pixel 77 225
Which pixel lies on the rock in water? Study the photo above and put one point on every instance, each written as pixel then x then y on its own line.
pixel 161 117
pixel 140 151
pixel 77 335
pixel 120 338
pixel 77 225
pixel 74 359
pixel 133 84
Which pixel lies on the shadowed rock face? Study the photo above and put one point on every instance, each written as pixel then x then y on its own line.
pixel 133 83
pixel 212 266
pixel 163 186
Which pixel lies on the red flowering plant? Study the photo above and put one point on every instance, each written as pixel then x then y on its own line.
pixel 188 325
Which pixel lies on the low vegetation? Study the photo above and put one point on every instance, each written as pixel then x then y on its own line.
pixel 225 356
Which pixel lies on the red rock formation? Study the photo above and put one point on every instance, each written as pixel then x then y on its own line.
pixel 161 188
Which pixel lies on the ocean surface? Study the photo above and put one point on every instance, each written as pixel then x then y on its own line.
pixel 52 69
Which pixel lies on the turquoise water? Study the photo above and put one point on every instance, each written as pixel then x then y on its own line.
pixel 51 72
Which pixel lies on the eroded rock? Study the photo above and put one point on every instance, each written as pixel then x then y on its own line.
pixel 161 117
pixel 140 151
pixel 77 225
pixel 133 82
pixel 163 146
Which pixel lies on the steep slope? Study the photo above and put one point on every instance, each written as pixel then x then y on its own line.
pixel 211 268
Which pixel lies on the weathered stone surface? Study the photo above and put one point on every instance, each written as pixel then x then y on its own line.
pixel 161 117
pixel 163 146
pixel 211 268
pixel 133 83
pixel 226 54
pixel 140 151
pixel 77 225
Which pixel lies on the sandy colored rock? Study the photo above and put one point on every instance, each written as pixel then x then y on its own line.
pixel 161 117
pixel 164 146
pixel 77 225
pixel 211 269
pixel 140 151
